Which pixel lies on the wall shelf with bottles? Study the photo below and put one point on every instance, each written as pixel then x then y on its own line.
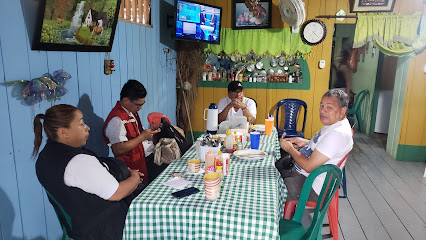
pixel 259 72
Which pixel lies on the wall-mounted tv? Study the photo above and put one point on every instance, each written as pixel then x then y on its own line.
pixel 198 21
pixel 81 25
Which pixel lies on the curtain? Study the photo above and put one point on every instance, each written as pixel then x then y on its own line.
pixel 261 41
pixel 393 34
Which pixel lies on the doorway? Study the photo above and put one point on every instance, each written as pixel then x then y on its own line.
pixel 382 100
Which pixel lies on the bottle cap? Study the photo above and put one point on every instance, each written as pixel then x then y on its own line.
pixel 219 153
pixel 228 132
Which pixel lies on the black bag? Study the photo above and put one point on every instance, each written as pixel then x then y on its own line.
pixel 168 131
pixel 116 167
pixel 285 164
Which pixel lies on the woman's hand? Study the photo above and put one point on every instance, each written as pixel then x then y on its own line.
pixel 136 174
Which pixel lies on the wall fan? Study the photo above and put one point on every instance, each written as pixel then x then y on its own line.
pixel 293 13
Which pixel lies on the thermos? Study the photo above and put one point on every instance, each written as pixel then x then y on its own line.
pixel 212 118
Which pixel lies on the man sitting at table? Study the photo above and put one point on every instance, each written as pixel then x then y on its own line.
pixel 235 104
pixel 328 146
pixel 124 133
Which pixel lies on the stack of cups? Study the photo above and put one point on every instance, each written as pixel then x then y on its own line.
pixel 212 185
pixel 194 165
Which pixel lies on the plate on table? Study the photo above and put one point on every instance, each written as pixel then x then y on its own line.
pixel 259 127
pixel 250 154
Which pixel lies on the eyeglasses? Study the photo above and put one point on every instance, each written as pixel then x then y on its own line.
pixel 137 104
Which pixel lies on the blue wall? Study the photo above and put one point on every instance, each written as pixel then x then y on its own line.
pixel 25 212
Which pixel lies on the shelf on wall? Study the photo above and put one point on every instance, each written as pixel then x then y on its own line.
pixel 305 85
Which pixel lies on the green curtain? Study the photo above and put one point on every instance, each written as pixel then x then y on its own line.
pixel 393 34
pixel 261 41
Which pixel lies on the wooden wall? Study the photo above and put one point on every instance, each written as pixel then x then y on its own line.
pixel 413 125
pixel 25 212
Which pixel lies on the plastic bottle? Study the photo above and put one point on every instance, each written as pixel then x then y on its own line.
pixel 209 160
pixel 229 141
pixel 225 161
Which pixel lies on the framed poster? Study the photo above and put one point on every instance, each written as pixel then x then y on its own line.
pixel 372 5
pixel 251 14
pixel 85 26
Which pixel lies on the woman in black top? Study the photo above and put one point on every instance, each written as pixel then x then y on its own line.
pixel 94 200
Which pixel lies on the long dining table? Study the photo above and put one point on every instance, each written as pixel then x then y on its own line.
pixel 250 206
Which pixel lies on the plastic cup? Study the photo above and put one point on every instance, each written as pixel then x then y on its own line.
pixel 254 140
pixel 193 165
pixel 269 123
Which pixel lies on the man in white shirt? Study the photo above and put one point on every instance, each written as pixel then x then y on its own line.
pixel 124 133
pixel 235 104
pixel 328 146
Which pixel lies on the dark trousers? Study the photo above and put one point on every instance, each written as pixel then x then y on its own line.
pixel 153 169
pixel 294 184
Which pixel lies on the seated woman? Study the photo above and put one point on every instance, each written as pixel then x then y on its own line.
pixel 78 181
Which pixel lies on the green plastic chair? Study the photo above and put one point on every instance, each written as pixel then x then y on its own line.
pixel 63 217
pixel 356 109
pixel 293 229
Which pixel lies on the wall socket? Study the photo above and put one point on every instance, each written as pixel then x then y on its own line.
pixel 166 50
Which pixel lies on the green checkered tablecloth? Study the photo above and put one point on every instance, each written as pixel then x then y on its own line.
pixel 250 206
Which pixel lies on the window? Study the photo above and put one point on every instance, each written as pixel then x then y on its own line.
pixel 136 11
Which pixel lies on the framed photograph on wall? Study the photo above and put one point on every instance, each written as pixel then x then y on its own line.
pixel 251 14
pixel 76 26
pixel 372 5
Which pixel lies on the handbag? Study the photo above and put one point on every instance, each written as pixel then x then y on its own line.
pixel 168 131
pixel 285 164
pixel 166 151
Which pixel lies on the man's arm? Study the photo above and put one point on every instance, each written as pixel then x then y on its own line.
pixel 126 146
pixel 308 164
pixel 222 115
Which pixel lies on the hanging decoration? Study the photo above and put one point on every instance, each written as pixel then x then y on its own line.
pixel 47 87
pixel 108 64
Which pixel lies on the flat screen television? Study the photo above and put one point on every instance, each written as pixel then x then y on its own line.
pixel 81 25
pixel 198 22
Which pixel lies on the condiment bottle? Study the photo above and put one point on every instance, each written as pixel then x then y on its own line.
pixel 219 166
pixel 209 160
pixel 225 161
pixel 229 141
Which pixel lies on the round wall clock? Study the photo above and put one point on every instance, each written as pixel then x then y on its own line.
pixel 313 32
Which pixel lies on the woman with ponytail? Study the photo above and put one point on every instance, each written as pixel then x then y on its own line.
pixel 95 201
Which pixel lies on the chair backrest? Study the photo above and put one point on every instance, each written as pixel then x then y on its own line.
pixel 253 100
pixel 155 118
pixel 291 108
pixel 63 217
pixel 359 99
pixel 341 164
pixel 331 183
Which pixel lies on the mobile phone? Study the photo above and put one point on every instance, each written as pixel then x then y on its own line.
pixel 185 192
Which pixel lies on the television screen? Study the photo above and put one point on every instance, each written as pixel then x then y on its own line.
pixel 87 26
pixel 199 22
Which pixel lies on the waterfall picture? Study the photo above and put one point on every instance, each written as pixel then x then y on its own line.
pixel 77 25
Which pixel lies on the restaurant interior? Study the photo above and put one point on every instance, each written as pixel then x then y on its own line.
pixel 183 75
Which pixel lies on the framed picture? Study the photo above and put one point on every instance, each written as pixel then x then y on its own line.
pixel 84 26
pixel 372 5
pixel 246 14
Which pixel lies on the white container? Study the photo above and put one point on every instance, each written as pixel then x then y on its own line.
pixel 203 151
pixel 212 118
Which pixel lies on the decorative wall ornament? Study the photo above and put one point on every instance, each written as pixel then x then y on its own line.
pixel 47 87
